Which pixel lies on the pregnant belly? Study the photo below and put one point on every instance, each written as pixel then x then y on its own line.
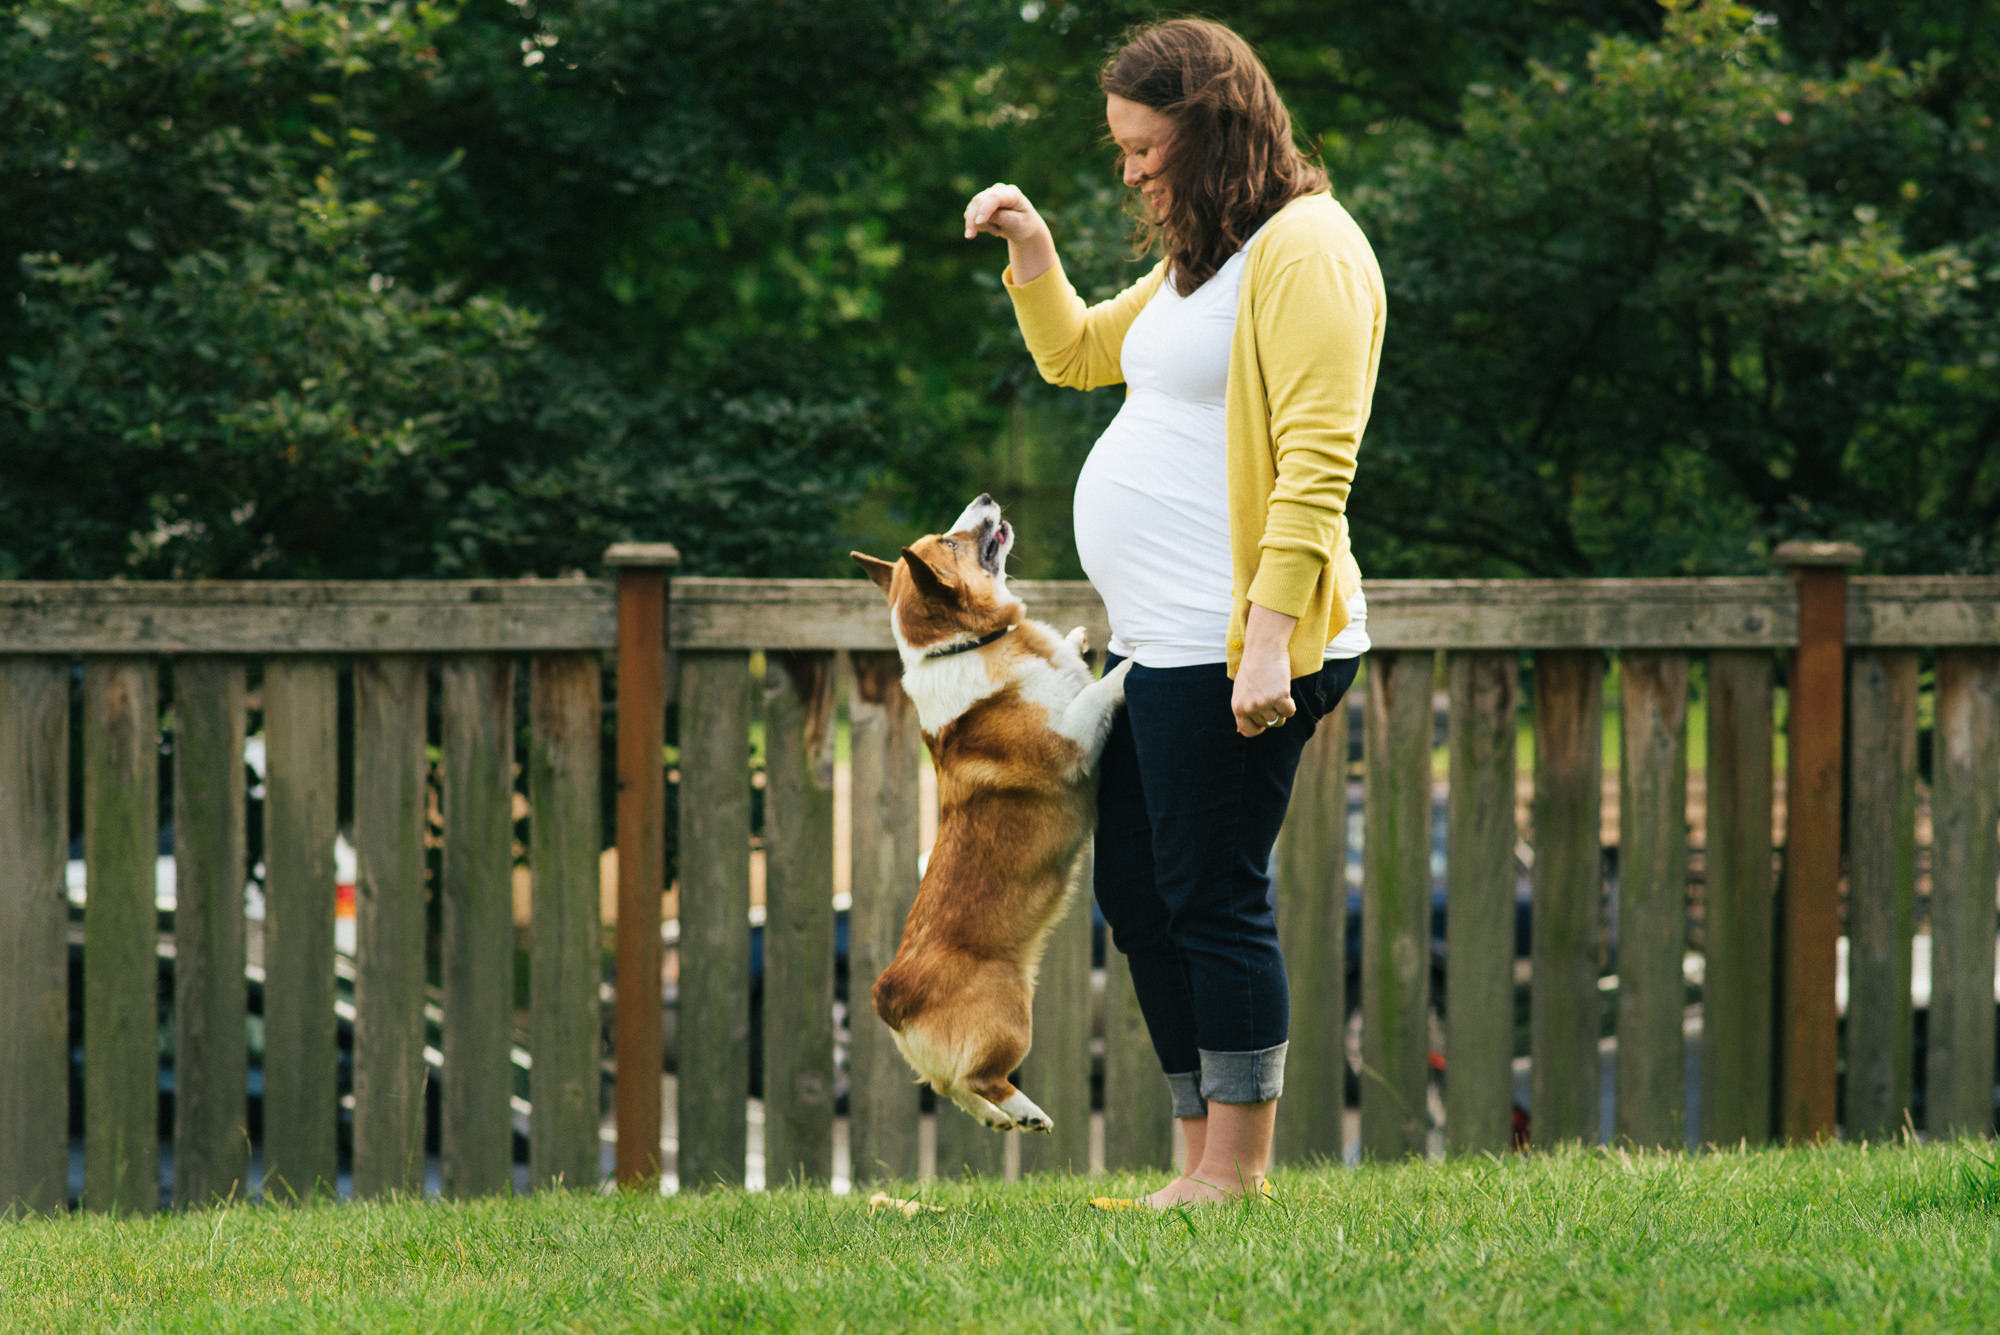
pixel 1152 530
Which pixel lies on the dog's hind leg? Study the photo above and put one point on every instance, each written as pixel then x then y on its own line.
pixel 983 1109
pixel 1020 1111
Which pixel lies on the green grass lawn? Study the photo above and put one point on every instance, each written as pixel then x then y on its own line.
pixel 1890 1238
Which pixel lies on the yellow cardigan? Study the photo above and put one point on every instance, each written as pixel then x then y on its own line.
pixel 1301 378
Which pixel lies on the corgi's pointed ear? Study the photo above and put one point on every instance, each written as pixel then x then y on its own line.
pixel 924 576
pixel 878 570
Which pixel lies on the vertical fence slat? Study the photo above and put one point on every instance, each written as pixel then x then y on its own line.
pixel 211 1098
pixel 799 710
pixel 1965 807
pixel 642 856
pixel 1809 904
pixel 886 746
pixel 389 769
pixel 121 1055
pixel 1479 902
pixel 566 940
pixel 1740 902
pixel 1568 881
pixel 1138 1115
pixel 34 951
pixel 1057 1073
pixel 1881 888
pixel 1652 899
pixel 1311 860
pixel 1395 907
pixel 714 1021
pixel 476 1123
pixel 301 819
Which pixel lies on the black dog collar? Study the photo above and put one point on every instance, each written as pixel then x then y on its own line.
pixel 969 646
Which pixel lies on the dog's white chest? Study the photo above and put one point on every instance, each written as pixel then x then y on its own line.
pixel 942 689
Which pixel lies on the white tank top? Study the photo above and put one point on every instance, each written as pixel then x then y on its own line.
pixel 1152 501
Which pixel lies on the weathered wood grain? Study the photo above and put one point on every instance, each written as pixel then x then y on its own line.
pixel 1913 611
pixel 1738 1079
pixel 277 616
pixel 297 616
pixel 1651 1087
pixel 1881 888
pixel 1311 863
pixel 211 1002
pixel 301 821
pixel 34 955
pixel 799 714
pixel 1568 893
pixel 1402 614
pixel 565 943
pixel 887 749
pixel 642 866
pixel 476 1131
pixel 1965 810
pixel 1396 906
pixel 1809 903
pixel 389 770
pixel 714 1019
pixel 1479 902
pixel 121 1041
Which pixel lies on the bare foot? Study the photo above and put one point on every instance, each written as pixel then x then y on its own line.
pixel 1197 1191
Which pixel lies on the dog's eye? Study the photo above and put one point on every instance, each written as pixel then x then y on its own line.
pixel 949 545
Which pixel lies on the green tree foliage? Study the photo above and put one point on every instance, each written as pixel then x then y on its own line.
pixel 392 287
pixel 282 310
pixel 1654 310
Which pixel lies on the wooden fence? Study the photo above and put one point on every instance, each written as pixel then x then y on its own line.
pixel 1772 1048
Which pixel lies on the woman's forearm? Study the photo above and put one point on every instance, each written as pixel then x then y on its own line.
pixel 1031 258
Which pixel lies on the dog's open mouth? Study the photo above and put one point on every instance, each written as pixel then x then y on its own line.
pixel 993 547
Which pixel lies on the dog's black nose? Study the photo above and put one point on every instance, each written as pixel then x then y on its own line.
pixel 985 498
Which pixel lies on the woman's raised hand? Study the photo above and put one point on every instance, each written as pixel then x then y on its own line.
pixel 1002 210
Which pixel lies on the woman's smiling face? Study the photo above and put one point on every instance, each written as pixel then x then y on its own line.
pixel 1143 136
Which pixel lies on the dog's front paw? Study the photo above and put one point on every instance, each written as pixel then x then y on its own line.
pixel 1079 640
pixel 1116 677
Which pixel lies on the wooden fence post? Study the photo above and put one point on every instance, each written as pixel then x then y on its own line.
pixel 1808 1020
pixel 643 570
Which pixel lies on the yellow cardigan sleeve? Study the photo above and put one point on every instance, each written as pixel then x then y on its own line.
pixel 1317 336
pixel 1076 346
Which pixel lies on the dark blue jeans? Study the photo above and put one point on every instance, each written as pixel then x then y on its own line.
pixel 1188 811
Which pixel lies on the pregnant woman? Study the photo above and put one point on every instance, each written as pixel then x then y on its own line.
pixel 1212 518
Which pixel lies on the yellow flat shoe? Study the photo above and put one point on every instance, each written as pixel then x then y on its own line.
pixel 1117 1203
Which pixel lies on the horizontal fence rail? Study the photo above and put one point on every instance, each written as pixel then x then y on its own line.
pixel 1422 839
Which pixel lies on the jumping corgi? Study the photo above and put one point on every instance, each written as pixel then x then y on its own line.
pixel 1015 725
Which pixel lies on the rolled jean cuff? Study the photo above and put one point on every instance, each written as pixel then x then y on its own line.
pixel 1243 1077
pixel 1186 1089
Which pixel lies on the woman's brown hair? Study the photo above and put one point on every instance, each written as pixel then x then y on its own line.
pixel 1232 162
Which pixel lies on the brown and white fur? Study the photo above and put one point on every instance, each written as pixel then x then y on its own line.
pixel 1015 729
